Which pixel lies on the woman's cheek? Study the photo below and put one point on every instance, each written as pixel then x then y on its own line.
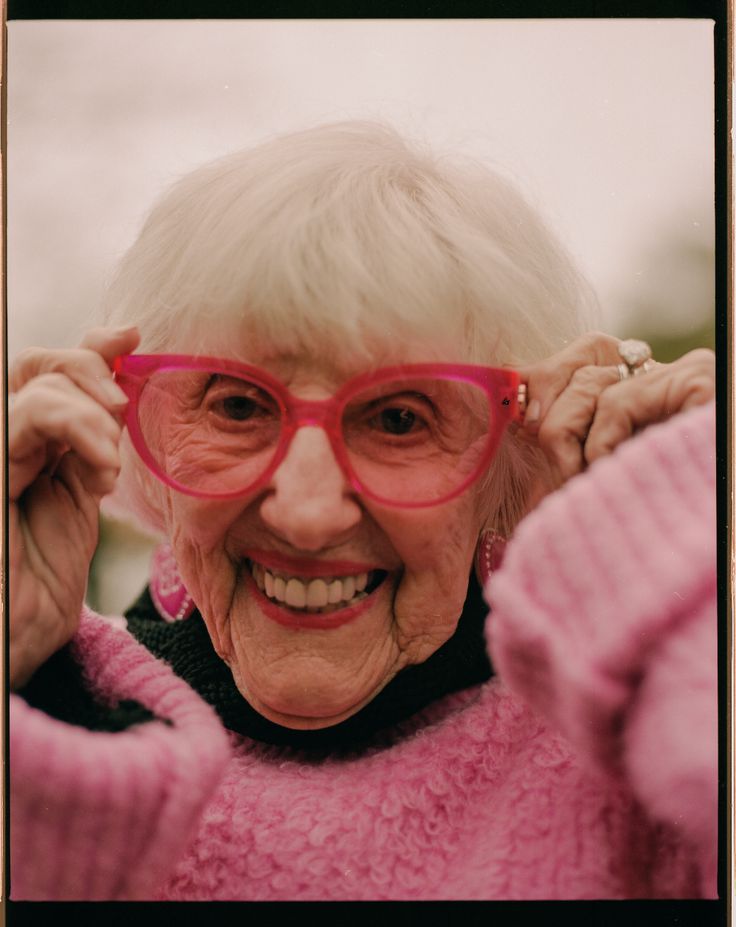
pixel 205 522
pixel 434 585
pixel 439 548
pixel 211 575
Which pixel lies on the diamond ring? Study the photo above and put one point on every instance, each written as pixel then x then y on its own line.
pixel 636 356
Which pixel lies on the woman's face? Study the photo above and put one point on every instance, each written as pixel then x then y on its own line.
pixel 308 533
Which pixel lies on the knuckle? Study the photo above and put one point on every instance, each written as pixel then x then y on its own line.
pixel 77 360
pixel 29 355
pixel 36 363
pixel 25 362
pixel 553 438
pixel 586 376
pixel 703 357
pixel 589 348
pixel 43 388
pixel 57 399
pixel 53 380
pixel 595 448
pixel 50 421
pixel 593 337
pixel 546 434
pixel 596 339
pixel 702 386
pixel 610 402
pixel 63 362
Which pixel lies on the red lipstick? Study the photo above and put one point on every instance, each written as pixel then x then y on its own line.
pixel 303 620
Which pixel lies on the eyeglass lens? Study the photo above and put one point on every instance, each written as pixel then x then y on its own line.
pixel 410 440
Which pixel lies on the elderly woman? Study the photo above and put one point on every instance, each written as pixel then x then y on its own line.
pixel 347 370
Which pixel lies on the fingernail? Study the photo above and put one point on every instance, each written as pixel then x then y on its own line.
pixel 532 412
pixel 124 329
pixel 113 393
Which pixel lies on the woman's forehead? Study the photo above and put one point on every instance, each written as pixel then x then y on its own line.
pixel 333 359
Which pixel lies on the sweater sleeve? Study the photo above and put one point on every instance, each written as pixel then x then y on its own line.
pixel 104 816
pixel 603 618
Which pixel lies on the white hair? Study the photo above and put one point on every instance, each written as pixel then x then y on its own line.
pixel 348 238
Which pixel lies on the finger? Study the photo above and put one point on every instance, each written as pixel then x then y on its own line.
pixel 83 367
pixel 54 504
pixel 53 409
pixel 51 412
pixel 648 398
pixel 563 433
pixel 85 479
pixel 547 379
pixel 110 343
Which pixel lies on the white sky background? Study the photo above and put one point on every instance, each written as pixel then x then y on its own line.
pixel 607 126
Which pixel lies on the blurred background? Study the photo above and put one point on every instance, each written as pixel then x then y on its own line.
pixel 606 125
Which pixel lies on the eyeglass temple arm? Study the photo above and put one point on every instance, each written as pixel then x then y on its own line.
pixel 117 366
pixel 521 399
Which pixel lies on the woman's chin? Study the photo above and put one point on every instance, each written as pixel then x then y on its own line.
pixel 305 710
pixel 308 679
pixel 299 723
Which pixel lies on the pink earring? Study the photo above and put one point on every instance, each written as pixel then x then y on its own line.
pixel 488 555
pixel 169 594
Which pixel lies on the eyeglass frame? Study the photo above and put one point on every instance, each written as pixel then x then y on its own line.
pixel 502 385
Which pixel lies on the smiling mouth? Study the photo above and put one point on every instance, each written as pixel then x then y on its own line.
pixel 321 595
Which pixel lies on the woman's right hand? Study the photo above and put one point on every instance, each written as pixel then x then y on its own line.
pixel 64 427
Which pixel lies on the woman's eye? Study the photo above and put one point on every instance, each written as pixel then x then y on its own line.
pixel 230 400
pixel 397 421
pixel 238 408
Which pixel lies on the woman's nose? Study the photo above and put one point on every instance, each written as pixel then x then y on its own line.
pixel 310 503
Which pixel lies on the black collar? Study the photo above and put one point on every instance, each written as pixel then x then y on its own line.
pixel 461 662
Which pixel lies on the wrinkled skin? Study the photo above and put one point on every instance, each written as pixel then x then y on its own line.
pixel 62 414
pixel 315 677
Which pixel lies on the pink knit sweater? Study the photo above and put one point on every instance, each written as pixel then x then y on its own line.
pixel 585 769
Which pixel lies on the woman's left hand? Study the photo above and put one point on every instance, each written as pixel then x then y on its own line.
pixel 579 409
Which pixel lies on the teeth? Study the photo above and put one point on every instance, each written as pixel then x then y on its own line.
pixel 311 594
pixel 258 576
pixel 317 593
pixel 296 593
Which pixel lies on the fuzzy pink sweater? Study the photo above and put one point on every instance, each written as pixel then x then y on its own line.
pixel 586 768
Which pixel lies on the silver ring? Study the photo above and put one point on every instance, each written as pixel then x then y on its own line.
pixel 624 372
pixel 636 356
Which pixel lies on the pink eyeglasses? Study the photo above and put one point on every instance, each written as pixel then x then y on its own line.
pixel 407 436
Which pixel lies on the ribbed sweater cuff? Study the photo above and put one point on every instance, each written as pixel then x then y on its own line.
pixel 104 816
pixel 598 575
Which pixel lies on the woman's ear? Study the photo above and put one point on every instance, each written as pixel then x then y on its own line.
pixel 519 478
